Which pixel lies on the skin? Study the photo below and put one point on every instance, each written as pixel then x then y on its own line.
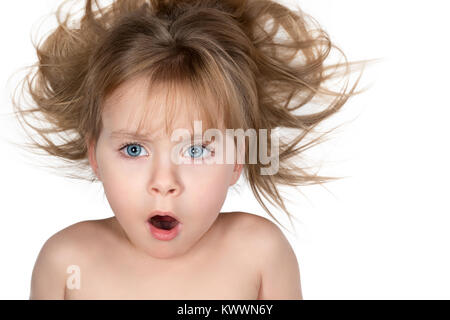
pixel 231 255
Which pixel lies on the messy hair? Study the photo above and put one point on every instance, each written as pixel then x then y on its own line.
pixel 229 50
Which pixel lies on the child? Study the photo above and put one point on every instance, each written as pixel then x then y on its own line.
pixel 120 82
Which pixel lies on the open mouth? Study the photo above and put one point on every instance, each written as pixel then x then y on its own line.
pixel 163 222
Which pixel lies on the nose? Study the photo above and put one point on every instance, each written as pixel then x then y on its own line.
pixel 164 182
pixel 164 189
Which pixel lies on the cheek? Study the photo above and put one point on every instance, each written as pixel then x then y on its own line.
pixel 119 184
pixel 119 192
pixel 207 187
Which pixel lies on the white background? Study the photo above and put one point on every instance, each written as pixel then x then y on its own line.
pixel 382 233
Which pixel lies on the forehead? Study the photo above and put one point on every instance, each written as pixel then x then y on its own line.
pixel 137 106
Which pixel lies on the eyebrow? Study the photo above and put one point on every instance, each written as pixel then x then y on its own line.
pixel 143 137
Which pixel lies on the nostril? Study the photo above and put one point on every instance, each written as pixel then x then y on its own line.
pixel 168 190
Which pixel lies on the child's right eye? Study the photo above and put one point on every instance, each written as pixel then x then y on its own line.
pixel 132 150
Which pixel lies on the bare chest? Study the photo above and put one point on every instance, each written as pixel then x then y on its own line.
pixel 221 277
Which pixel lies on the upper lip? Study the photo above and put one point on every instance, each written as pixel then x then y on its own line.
pixel 162 213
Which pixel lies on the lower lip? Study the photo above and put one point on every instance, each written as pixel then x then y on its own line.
pixel 164 235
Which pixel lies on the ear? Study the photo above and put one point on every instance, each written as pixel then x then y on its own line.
pixel 239 165
pixel 91 145
pixel 236 173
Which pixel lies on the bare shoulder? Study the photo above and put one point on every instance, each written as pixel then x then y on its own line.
pixel 76 237
pixel 59 252
pixel 270 252
pixel 255 229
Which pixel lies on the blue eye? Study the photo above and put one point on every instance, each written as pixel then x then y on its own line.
pixel 197 151
pixel 133 150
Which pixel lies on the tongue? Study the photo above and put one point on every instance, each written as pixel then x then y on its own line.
pixel 164 222
pixel 166 225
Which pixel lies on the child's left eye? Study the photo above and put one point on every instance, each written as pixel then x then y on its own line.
pixel 197 151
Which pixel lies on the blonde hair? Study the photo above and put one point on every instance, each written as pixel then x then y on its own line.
pixel 218 48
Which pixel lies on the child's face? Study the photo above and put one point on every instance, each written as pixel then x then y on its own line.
pixel 138 180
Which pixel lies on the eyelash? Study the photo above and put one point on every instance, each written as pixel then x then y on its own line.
pixel 126 145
